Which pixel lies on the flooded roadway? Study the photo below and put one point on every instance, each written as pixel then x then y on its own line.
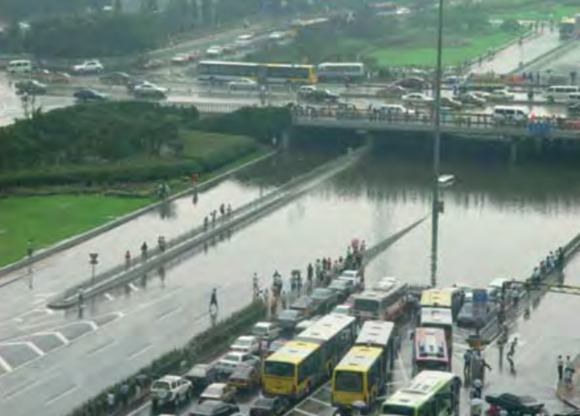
pixel 497 223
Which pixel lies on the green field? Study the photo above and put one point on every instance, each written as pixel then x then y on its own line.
pixel 48 219
pixel 534 10
pixel 452 55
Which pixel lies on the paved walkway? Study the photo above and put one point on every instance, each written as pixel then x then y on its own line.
pixel 508 59
pixel 571 394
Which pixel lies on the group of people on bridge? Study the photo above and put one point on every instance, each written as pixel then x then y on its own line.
pixel 225 211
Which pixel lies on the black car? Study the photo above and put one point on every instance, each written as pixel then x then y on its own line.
pixel 319 96
pixel 412 83
pixel 266 406
pixel 214 408
pixel 289 318
pixel 324 300
pixel 514 404
pixel 342 289
pixel 85 95
pixel 467 318
pixel 304 305
pixel 201 376
pixel 30 86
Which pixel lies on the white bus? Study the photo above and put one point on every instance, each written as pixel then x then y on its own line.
pixel 341 71
pixel 560 92
pixel 225 71
pixel 385 301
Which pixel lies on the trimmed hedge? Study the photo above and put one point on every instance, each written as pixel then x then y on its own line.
pixel 177 361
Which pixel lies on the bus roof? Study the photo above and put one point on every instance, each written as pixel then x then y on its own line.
pixel 422 387
pixel 325 328
pixel 341 64
pixel 254 64
pixel 359 358
pixel 430 344
pixel 293 352
pixel 436 297
pixel 436 316
pixel 376 333
pixel 568 20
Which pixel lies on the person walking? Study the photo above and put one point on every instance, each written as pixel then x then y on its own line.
pixel 213 301
pixel 560 366
pixel 568 372
pixel 511 353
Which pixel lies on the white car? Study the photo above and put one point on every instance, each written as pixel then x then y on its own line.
pixel 173 390
pixel 395 109
pixel 416 98
pixel 148 89
pixel 181 58
pixel 244 40
pixel 246 343
pixel 230 361
pixel 88 67
pixel 214 51
pixel 243 84
pixel 276 35
pixel 218 391
pixel 501 95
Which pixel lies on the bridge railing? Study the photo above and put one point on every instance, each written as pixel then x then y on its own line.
pixel 538 125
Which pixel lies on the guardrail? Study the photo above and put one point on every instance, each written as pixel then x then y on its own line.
pixel 450 121
pixel 198 235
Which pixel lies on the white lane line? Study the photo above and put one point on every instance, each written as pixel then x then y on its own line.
pixel 317 400
pixel 167 314
pixel 101 347
pixel 304 412
pixel 141 351
pixel 7 367
pixel 133 287
pixel 139 409
pixel 58 335
pixel 61 395
pixel 18 391
pixel 109 297
pixel 29 344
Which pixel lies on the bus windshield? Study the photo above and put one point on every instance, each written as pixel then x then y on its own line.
pixel 348 381
pixel 391 409
pixel 278 369
pixel 433 365
pixel 366 305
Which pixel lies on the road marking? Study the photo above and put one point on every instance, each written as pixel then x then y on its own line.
pixel 133 287
pixel 29 344
pixel 141 351
pixel 167 314
pixel 21 389
pixel 7 367
pixel 109 297
pixel 402 368
pixel 304 412
pixel 101 347
pixel 59 335
pixel 139 409
pixel 317 400
pixel 61 395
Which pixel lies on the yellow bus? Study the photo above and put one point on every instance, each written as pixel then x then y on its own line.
pixel 437 298
pixel 293 370
pixel 358 377
pixel 226 71
pixel 303 363
pixel 430 393
pixel 362 374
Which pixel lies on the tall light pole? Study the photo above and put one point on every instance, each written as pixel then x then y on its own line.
pixel 436 150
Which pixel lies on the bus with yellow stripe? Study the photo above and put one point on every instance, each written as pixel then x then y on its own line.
pixel 437 298
pixel 303 363
pixel 362 374
pixel 266 73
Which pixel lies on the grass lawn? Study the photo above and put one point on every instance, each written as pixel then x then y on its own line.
pixel 409 55
pixel 202 145
pixel 49 219
pixel 535 11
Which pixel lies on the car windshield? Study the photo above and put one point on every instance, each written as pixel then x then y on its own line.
pixel 274 368
pixel 349 273
pixel 243 342
pixel 337 284
pixel 392 409
pixel 160 385
pixel 289 314
pixel 341 309
pixel 260 330
pixel 231 357
pixel 366 305
pixel 348 381
pixel 213 391
pixel 320 294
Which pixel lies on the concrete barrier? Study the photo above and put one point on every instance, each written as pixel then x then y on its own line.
pixel 200 235
pixel 79 238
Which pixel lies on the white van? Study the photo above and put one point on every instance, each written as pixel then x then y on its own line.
pixel 573 98
pixel 19 66
pixel 510 114
pixel 560 92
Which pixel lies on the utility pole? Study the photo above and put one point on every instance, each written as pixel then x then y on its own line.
pixel 436 206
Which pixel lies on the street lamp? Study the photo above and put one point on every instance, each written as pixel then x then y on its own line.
pixel 436 206
pixel 94 260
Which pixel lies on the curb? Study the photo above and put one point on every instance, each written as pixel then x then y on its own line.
pixel 79 238
pixel 566 401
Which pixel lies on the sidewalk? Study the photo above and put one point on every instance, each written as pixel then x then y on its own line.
pixel 571 395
